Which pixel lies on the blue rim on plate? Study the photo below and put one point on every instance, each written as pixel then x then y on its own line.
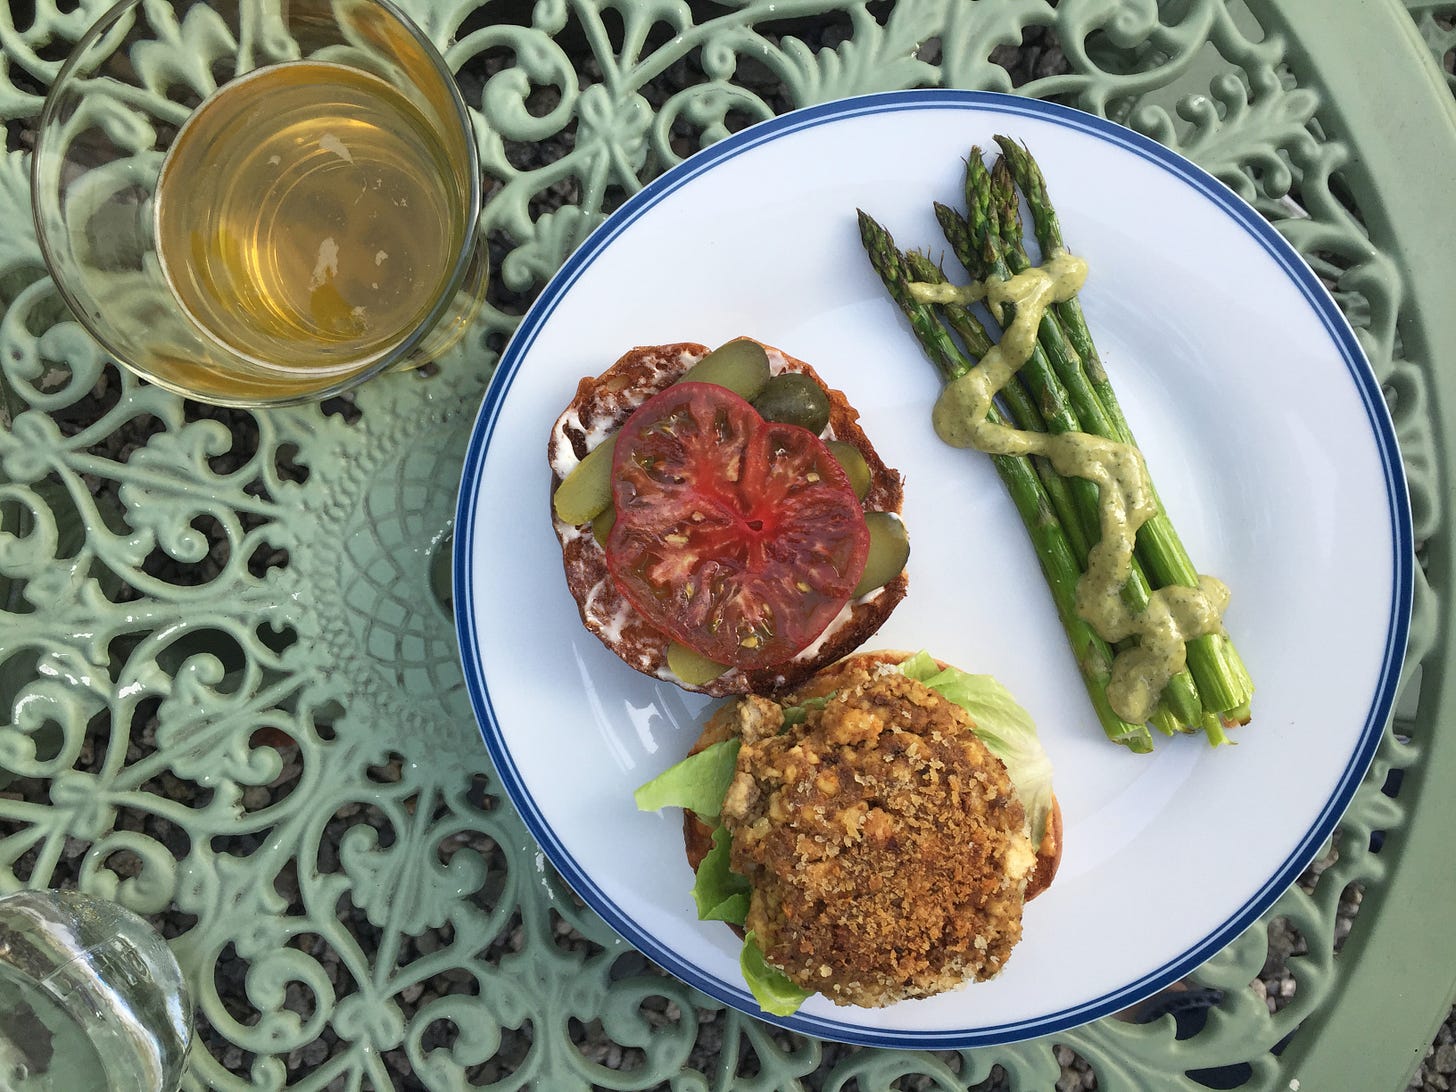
pixel 1293 267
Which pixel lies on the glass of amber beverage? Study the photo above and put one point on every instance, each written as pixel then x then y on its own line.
pixel 259 202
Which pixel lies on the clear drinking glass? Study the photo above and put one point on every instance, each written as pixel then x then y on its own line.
pixel 91 998
pixel 255 203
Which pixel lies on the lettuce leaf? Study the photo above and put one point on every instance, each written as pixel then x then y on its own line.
pixel 1003 726
pixel 772 989
pixel 721 893
pixel 698 783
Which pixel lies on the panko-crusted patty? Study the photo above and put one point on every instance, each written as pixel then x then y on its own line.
pixel 886 848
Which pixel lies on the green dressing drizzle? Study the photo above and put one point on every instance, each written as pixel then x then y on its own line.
pixel 1173 615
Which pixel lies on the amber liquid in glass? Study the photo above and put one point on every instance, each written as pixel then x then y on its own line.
pixel 308 218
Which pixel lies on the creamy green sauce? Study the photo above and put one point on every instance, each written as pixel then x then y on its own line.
pixel 1174 615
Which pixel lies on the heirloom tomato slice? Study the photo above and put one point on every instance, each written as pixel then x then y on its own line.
pixel 738 537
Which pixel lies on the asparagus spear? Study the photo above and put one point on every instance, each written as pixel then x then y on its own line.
pixel 1048 536
pixel 976 246
pixel 977 240
pixel 1000 225
pixel 1061 387
pixel 1222 677
pixel 1021 409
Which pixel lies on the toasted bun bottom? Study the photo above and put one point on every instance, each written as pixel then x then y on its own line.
pixel 601 405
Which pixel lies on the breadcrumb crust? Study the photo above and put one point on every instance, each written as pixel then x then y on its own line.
pixel 886 847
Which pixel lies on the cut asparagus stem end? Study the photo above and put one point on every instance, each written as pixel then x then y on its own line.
pixel 1213 729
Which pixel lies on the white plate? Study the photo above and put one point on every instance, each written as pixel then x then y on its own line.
pixel 1267 436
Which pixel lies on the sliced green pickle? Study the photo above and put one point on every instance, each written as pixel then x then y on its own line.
pixel 889 550
pixel 792 398
pixel 855 467
pixel 588 488
pixel 691 667
pixel 741 366
pixel 602 524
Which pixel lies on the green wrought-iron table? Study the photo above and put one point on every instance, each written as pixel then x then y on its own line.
pixel 229 692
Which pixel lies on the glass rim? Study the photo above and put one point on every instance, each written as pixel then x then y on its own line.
pixel 383 361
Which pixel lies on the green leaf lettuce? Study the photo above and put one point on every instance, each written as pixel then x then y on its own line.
pixel 698 783
pixel 721 893
pixel 771 988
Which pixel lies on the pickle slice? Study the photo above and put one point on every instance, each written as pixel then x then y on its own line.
pixel 889 551
pixel 853 461
pixel 602 524
pixel 792 398
pixel 587 490
pixel 741 366
pixel 691 667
